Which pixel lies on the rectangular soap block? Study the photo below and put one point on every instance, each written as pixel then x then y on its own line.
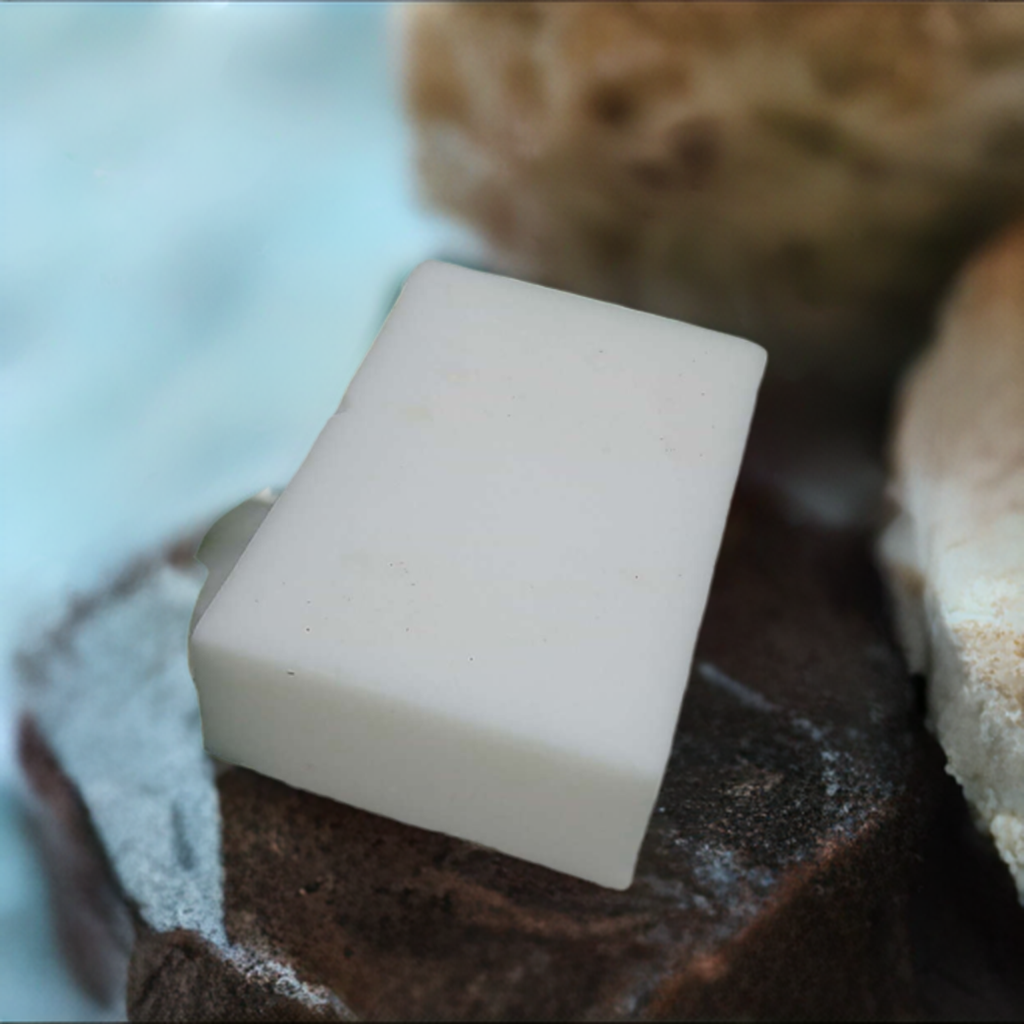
pixel 474 607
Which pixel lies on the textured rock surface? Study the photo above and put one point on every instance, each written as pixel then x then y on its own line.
pixel 776 879
pixel 806 175
pixel 954 552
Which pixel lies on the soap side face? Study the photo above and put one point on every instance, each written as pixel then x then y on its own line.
pixel 509 527
pixel 542 804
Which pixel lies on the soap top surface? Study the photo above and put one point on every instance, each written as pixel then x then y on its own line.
pixel 511 521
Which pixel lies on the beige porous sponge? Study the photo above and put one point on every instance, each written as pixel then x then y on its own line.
pixel 807 174
pixel 954 553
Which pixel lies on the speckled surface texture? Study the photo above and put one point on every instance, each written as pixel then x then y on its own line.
pixel 779 877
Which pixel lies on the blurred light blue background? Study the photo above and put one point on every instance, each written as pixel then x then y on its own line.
pixel 205 211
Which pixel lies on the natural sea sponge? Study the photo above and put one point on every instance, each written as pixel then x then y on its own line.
pixel 802 174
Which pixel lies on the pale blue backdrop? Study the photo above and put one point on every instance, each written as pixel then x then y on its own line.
pixel 204 213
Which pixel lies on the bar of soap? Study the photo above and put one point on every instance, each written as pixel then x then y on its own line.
pixel 474 607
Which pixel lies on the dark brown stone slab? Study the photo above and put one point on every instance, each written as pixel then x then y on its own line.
pixel 773 881
pixel 780 877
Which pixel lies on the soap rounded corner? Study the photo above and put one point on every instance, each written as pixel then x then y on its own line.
pixel 761 352
pixel 427 269
pixel 757 352
pixel 620 883
pixel 758 347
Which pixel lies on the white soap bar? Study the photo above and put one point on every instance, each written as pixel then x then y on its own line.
pixel 474 607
